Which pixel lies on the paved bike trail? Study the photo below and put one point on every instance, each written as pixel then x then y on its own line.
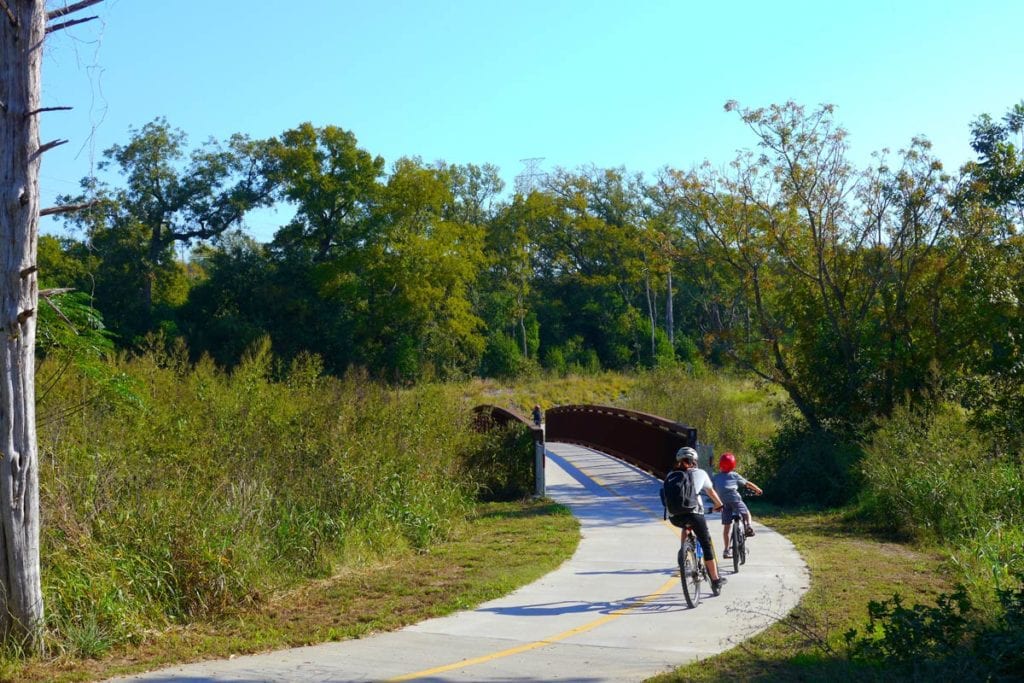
pixel 613 612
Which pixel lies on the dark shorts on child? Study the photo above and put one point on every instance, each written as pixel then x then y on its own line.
pixel 728 509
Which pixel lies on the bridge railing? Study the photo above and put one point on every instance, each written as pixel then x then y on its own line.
pixel 648 441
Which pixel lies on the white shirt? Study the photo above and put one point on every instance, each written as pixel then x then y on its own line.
pixel 702 482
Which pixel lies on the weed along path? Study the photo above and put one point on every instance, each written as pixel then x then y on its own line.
pixel 614 612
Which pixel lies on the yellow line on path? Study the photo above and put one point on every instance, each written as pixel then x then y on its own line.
pixel 541 643
pixel 526 647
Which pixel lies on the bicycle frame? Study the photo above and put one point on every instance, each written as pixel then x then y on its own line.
pixel 737 542
pixel 692 570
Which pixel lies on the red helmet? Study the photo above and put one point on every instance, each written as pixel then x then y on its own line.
pixel 727 463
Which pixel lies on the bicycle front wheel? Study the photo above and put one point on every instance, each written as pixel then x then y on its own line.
pixel 689 575
pixel 737 546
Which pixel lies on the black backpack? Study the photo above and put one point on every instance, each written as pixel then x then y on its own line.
pixel 678 494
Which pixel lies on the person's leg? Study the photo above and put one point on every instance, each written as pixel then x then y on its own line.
pixel 726 529
pixel 700 529
pixel 745 514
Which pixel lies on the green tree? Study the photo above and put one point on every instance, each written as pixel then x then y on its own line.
pixel 507 279
pixel 991 329
pixel 588 261
pixel 333 185
pixel 700 300
pixel 846 275
pixel 167 197
pixel 999 169
pixel 236 304
pixel 414 309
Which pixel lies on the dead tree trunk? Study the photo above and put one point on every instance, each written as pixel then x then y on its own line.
pixel 22 30
pixel 21 50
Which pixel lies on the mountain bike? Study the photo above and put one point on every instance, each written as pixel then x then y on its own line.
pixel 692 571
pixel 738 540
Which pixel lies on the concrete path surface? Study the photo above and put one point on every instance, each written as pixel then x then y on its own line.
pixel 614 612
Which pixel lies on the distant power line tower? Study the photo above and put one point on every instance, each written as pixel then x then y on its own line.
pixel 531 177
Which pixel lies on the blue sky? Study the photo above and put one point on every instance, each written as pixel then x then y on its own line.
pixel 634 83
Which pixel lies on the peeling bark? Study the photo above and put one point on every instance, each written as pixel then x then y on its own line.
pixel 21 598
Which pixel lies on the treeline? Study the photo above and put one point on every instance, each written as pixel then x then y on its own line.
pixel 854 289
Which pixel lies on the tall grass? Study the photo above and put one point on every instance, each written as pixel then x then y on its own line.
pixel 930 476
pixel 502 467
pixel 210 490
pixel 730 412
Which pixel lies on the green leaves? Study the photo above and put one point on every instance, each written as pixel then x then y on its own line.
pixel 843 279
pixel 333 185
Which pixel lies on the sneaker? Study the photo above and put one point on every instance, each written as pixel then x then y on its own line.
pixel 716 586
pixel 727 555
pixel 748 532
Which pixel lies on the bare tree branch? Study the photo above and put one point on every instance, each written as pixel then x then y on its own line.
pixel 42 109
pixel 67 208
pixel 55 291
pixel 70 9
pixel 68 24
pixel 47 147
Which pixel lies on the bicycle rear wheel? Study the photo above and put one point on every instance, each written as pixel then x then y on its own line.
pixel 689 575
pixel 743 548
pixel 737 546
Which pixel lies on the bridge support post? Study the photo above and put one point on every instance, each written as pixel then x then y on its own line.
pixel 539 461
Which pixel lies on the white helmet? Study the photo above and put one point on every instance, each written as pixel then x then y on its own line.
pixel 687 453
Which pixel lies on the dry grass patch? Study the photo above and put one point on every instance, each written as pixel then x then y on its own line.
pixel 548 391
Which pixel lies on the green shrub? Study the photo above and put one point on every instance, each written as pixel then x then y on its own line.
pixel 502 466
pixel 687 350
pixel 802 465
pixel 896 633
pixel 929 474
pixel 554 360
pixel 947 641
pixel 502 357
pixel 572 358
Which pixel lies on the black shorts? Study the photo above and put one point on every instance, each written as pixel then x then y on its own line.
pixel 700 530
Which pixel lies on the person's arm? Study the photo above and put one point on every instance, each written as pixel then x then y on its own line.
pixel 710 490
pixel 754 487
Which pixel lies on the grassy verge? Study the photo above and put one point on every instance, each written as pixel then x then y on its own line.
pixel 849 567
pixel 502 546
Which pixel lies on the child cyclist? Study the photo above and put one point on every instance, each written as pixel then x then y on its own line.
pixel 727 485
